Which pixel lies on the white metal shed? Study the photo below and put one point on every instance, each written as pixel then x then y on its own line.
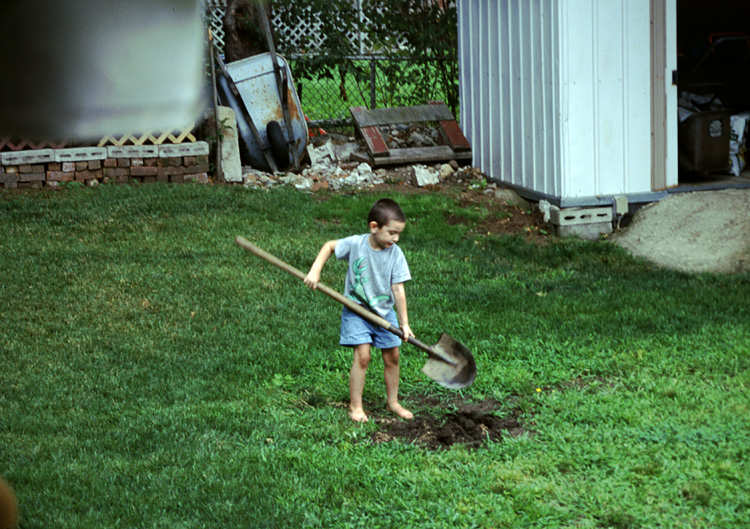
pixel 571 101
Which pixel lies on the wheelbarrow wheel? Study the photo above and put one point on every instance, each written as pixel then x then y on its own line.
pixel 279 148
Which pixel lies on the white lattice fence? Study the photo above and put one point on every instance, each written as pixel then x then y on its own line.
pixel 215 11
pixel 305 36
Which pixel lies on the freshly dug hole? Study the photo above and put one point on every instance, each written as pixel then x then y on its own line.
pixel 470 425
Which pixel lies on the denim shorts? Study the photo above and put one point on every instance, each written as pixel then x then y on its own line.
pixel 355 330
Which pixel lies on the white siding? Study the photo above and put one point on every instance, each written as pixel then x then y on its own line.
pixel 555 94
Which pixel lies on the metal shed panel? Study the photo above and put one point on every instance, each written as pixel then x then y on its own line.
pixel 555 94
pixel 508 89
pixel 607 90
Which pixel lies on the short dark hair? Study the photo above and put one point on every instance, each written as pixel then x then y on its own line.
pixel 384 211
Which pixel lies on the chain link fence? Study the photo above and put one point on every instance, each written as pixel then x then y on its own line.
pixel 370 81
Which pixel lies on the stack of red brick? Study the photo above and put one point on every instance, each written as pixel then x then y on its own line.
pixel 95 165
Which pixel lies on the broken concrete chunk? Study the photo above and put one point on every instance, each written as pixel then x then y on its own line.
pixel 322 157
pixel 511 198
pixel 445 171
pixel 231 166
pixel 423 176
pixel 344 151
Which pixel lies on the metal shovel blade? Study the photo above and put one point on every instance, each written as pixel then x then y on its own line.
pixel 457 376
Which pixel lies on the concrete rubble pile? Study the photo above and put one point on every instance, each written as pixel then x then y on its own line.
pixel 330 168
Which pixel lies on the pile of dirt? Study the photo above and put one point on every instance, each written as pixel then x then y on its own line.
pixel 704 231
pixel 468 424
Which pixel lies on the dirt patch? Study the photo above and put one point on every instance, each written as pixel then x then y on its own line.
pixel 705 231
pixel 507 213
pixel 468 424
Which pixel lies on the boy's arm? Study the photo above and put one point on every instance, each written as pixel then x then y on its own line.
pixel 313 276
pixel 399 296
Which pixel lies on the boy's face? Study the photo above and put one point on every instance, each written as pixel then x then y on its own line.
pixel 387 235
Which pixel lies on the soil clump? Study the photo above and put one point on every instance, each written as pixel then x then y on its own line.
pixel 469 424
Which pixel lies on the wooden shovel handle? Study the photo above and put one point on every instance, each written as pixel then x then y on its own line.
pixel 351 305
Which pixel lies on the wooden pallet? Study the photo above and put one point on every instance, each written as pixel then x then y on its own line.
pixel 456 146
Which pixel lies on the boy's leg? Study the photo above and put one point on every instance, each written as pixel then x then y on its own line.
pixel 391 373
pixel 357 382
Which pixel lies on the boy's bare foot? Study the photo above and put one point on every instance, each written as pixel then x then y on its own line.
pixel 358 415
pixel 402 412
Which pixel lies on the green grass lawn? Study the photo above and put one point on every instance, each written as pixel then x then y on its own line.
pixel 156 375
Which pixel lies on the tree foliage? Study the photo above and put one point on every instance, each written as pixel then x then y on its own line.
pixel 424 31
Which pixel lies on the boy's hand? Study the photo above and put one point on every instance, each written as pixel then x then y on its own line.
pixel 312 279
pixel 407 332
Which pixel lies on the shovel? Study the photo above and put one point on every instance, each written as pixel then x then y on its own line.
pixel 449 362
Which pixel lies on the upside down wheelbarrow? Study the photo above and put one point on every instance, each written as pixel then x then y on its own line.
pixel 449 362
pixel 272 131
pixel 270 122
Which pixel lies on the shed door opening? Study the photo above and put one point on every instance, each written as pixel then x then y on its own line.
pixel 713 79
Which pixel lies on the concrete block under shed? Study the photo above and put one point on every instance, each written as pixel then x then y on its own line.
pixel 586 223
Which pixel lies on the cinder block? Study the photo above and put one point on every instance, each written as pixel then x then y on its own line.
pixel 40 156
pixel 133 151
pixel 576 216
pixel 183 149
pixel 80 154
pixel 591 231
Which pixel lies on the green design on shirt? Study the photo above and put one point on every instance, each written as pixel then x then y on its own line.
pixel 357 288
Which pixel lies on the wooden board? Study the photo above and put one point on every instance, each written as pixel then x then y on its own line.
pixel 367 123
pixel 417 114
pixel 442 153
pixel 374 140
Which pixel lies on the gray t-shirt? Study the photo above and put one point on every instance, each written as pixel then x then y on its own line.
pixel 371 273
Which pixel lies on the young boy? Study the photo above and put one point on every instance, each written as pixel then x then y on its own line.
pixel 375 278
